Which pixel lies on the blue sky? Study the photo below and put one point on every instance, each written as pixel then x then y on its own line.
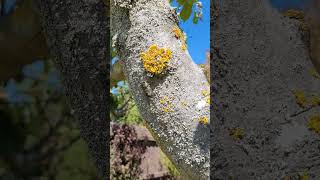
pixel 288 4
pixel 198 35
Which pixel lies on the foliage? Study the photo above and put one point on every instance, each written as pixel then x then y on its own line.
pixel 123 108
pixel 126 153
pixel 37 128
pixel 185 8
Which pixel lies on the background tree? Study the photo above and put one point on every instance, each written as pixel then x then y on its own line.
pixel 266 95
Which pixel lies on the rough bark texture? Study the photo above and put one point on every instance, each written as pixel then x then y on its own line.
pixel 77 36
pixel 136 25
pixel 259 59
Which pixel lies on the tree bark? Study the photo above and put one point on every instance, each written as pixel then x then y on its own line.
pixel 78 39
pixel 135 26
pixel 259 60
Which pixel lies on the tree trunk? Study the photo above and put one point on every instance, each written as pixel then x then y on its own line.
pixel 77 36
pixel 259 62
pixel 173 101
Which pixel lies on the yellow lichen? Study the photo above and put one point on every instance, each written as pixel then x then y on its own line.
pixel 304 176
pixel 164 100
pixel 203 120
pixel 237 133
pixel 314 123
pixel 204 82
pixel 184 46
pixel 315 100
pixel 184 103
pixel 155 59
pixel 314 73
pixel 304 27
pixel 167 104
pixel 208 100
pixel 294 14
pixel 167 109
pixel 205 93
pixel 180 35
pixel 177 32
pixel 300 98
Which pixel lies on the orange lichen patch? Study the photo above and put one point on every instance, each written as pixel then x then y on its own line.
pixel 237 133
pixel 314 123
pixel 155 59
pixel 203 120
pixel 300 98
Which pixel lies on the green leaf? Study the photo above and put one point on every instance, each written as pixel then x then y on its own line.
pixel 186 11
pixel 113 53
pixel 195 18
pixel 181 2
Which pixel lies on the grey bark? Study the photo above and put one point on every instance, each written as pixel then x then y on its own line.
pixel 77 37
pixel 258 60
pixel 135 26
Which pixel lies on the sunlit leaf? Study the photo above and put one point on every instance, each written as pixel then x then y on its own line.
pixel 186 11
pixel 195 18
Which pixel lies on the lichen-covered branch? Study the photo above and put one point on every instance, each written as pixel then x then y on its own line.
pixel 170 90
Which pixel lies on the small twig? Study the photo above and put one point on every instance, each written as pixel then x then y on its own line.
pixel 300 112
